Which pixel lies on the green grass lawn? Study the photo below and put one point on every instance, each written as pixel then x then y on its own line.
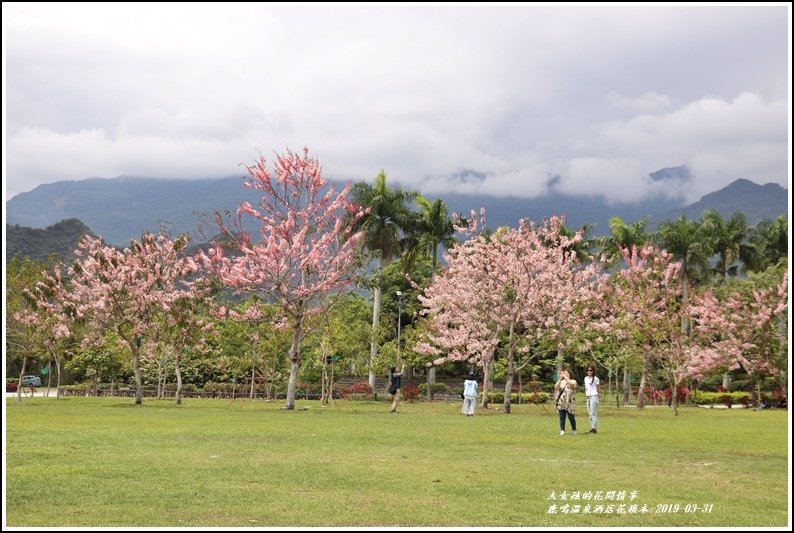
pixel 103 462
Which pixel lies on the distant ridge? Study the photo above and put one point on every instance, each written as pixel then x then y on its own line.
pixel 756 201
pixel 119 209
pixel 57 241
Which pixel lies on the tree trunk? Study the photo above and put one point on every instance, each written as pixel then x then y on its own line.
pixel 643 380
pixel 510 372
pixel 22 373
pixel 626 385
pixel 324 381
pixel 58 379
pixel 253 378
pixel 136 368
pixel 373 344
pixel 178 372
pixel 559 362
pixel 49 377
pixel 295 362
pixel 431 380
pixel 487 369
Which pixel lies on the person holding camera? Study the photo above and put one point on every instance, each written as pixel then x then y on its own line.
pixel 395 384
pixel 469 394
pixel 565 389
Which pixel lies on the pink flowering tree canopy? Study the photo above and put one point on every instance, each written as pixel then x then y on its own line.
pixel 130 291
pixel 744 325
pixel 305 249
pixel 525 283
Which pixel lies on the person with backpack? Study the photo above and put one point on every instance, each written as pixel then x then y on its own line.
pixel 395 384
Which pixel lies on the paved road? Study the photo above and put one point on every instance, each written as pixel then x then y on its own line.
pixel 26 393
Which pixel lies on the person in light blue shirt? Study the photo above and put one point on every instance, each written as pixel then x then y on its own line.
pixel 469 394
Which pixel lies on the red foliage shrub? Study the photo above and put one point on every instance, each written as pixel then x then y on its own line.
pixel 410 392
pixel 360 387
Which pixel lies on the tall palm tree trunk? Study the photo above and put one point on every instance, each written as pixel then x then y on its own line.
pixel 373 344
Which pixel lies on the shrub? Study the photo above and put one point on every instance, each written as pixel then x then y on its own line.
pixel 11 386
pixel 743 385
pixel 410 392
pixel 683 392
pixel 359 390
pixel 780 397
pixel 438 388
pixel 171 386
pixel 526 397
pixel 726 398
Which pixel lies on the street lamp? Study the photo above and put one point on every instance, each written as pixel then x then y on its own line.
pixel 399 322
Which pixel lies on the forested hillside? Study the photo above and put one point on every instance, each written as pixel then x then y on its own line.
pixel 58 240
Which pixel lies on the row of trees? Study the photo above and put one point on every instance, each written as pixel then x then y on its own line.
pixel 524 291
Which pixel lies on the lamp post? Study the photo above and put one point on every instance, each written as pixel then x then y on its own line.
pixel 399 322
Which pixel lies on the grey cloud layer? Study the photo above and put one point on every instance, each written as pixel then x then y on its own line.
pixel 599 96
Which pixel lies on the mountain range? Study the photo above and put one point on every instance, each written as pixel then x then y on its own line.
pixel 121 208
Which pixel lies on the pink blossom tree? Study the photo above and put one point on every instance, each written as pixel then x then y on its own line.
pixel 306 251
pixel 463 304
pixel 525 283
pixel 185 325
pixel 646 299
pixel 650 304
pixel 33 323
pixel 561 292
pixel 127 291
pixel 746 327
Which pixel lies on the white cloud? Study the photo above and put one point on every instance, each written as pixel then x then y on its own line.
pixel 718 140
pixel 601 95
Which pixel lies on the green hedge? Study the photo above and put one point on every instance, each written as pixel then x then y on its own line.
pixel 438 388
pixel 526 397
pixel 724 398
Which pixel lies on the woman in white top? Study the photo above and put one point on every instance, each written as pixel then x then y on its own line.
pixel 591 391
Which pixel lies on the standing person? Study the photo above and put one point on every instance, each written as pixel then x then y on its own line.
pixel 565 388
pixel 469 394
pixel 395 384
pixel 591 391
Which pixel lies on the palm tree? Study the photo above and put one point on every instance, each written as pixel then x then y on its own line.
pixel 433 227
pixel 689 243
pixel 729 240
pixel 385 226
pixel 770 240
pixel 623 236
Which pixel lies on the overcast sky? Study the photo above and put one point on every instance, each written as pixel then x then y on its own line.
pixel 482 100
